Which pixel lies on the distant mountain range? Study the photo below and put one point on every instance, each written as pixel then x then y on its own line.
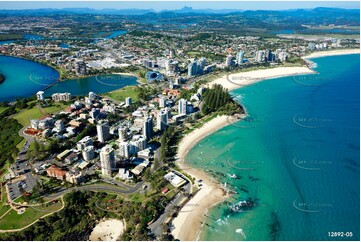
pixel 184 10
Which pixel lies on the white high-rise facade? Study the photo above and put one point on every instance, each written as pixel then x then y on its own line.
pixel 107 160
pixel 148 128
pixel 124 149
pixel 122 131
pixel 40 95
pixel 162 102
pixel 88 153
pixel 228 62
pixel 240 57
pixel 182 106
pixel 84 142
pixel 162 120
pixel 128 101
pixel 103 131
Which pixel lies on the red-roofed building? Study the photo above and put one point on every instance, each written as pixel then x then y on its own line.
pixel 47 116
pixel 165 190
pixel 68 109
pixel 171 92
pixel 57 172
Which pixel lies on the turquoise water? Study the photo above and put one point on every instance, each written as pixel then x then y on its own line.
pixel 24 78
pixel 296 156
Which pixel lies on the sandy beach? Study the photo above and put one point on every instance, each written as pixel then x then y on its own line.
pixel 196 135
pixel 107 230
pixel 189 220
pixel 238 80
pixel 332 53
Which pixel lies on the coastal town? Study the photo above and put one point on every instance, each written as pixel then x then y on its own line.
pixel 125 149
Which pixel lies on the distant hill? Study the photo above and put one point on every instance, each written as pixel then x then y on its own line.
pixel 187 10
pixel 46 11
pixel 266 18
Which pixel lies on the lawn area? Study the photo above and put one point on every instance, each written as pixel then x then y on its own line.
pixel 19 200
pixel 26 115
pixel 171 194
pixel 2 109
pixel 3 207
pixel 13 220
pixel 21 144
pixel 137 197
pixel 193 53
pixel 121 94
pixel 55 108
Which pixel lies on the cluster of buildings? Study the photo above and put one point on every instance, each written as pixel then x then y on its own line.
pixel 119 149
pixel 199 67
pixel 56 97
pixel 259 56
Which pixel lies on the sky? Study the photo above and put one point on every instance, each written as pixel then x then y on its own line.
pixel 169 5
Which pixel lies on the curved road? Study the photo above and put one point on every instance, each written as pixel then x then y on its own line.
pixel 98 188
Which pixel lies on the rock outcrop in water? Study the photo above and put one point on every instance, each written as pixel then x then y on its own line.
pixel 2 78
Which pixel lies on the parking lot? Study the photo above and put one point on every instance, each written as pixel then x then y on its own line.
pixel 27 183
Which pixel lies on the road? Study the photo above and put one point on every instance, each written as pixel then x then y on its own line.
pixel 96 187
pixel 156 227
pixel 28 138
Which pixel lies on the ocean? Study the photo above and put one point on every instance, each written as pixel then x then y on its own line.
pixel 295 160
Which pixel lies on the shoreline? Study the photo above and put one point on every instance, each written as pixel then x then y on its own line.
pixel 335 52
pixel 183 228
pixel 128 74
pixel 242 79
pixel 190 219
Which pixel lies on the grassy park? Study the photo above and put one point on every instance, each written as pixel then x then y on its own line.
pixel 121 94
pixel 24 116
pixel 13 220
